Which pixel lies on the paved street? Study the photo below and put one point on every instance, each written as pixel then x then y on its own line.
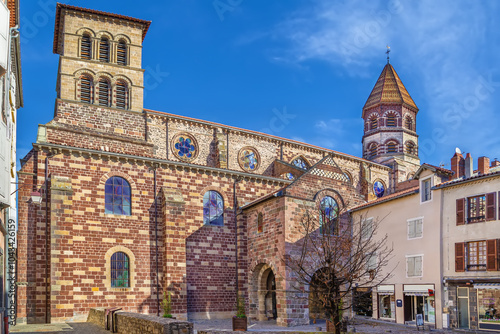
pixel 360 326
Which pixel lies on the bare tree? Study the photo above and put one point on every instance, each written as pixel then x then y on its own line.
pixel 337 254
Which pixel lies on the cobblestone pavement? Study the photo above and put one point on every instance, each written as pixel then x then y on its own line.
pixel 73 328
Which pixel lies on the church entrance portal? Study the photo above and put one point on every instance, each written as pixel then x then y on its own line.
pixel 271 311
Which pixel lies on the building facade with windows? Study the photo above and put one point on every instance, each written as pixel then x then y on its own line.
pixel 471 244
pixel 410 218
pixel 137 202
pixel 11 98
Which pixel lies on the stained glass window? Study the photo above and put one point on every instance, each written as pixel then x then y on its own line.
pixel 249 159
pixel 185 147
pixel 120 274
pixel 378 188
pixel 299 162
pixel 329 210
pixel 117 196
pixel 213 208
pixel 289 176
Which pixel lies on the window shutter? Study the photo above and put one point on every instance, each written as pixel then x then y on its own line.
pixel 418 266
pixel 121 54
pixel 104 93
pixel 491 212
pixel 491 255
pixel 104 50
pixel 86 89
pixel 411 229
pixel 121 95
pixel 461 211
pixel 459 257
pixel 418 228
pixel 411 266
pixel 86 47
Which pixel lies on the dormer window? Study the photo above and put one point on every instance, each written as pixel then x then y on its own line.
pixel 425 190
pixel 86 47
pixel 121 53
pixel 104 50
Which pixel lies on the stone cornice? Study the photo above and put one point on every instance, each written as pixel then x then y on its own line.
pixel 157 163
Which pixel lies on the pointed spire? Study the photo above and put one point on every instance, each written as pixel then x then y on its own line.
pixel 389 89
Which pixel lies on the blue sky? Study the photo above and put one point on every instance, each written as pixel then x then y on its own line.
pixel 299 69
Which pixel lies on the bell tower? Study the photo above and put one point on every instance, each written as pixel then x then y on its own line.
pixel 390 136
pixel 100 58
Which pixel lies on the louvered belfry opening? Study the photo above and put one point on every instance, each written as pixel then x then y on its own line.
pixel 104 92
pixel 104 50
pixel 86 47
pixel 86 89
pixel 121 95
pixel 121 53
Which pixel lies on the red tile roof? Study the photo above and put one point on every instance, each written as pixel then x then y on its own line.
pixel 407 192
pixel 441 169
pixel 61 6
pixel 465 180
pixel 13 6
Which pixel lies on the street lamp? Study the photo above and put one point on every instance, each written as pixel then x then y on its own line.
pixel 36 197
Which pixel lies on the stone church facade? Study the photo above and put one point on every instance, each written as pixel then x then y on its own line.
pixel 139 202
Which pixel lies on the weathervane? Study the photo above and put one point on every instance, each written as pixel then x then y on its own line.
pixel 387 52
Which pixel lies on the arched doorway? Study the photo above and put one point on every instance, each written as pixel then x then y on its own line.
pixel 270 303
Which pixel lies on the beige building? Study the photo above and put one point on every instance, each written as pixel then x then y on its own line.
pixel 411 220
pixel 471 244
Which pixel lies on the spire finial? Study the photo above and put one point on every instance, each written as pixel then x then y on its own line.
pixel 387 52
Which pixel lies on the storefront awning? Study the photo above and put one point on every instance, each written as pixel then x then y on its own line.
pixel 385 289
pixel 487 286
pixel 416 293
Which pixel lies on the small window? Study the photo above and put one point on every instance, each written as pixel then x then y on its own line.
pixel 329 210
pixel 260 223
pixel 86 47
pixel 415 228
pixel 392 147
pixel 117 196
pixel 104 93
pixel 425 189
pixel 86 89
pixel 121 95
pixel 104 50
pixel 372 150
pixel 409 123
pixel 213 208
pixel 121 53
pixel 410 148
pixel 367 229
pixel 476 210
pixel 414 266
pixel 391 121
pixel 120 273
pixel 373 123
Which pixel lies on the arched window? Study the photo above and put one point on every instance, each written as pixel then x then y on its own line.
pixel 392 147
pixel 410 148
pixel 86 47
pixel 104 92
pixel 120 272
pixel 409 123
pixel 372 150
pixel 117 196
pixel 121 94
pixel 299 162
pixel 213 208
pixel 121 53
pixel 288 176
pixel 104 50
pixel 373 123
pixel 391 120
pixel 328 212
pixel 260 223
pixel 86 89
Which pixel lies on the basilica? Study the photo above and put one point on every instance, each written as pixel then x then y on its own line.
pixel 139 202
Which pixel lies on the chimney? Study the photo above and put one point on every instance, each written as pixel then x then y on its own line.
pixel 458 164
pixel 495 163
pixel 483 164
pixel 469 169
